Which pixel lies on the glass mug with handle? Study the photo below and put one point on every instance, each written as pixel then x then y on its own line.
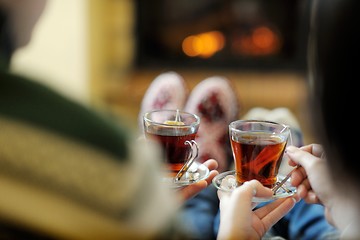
pixel 258 147
pixel 175 131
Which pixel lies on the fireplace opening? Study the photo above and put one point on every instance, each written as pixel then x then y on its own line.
pixel 231 34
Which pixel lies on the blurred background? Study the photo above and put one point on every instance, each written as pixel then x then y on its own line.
pixel 105 53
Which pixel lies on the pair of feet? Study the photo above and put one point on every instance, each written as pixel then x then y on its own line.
pixel 214 100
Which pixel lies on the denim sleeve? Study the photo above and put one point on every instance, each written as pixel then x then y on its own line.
pixel 199 214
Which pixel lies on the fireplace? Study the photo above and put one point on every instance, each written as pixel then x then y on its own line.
pixel 223 34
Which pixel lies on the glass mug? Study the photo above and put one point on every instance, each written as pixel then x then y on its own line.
pixel 175 131
pixel 258 148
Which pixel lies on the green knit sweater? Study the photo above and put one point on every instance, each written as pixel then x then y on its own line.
pixel 58 149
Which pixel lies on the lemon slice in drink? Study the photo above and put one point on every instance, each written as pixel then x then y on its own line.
pixel 170 122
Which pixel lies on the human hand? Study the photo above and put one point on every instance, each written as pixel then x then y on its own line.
pixel 310 186
pixel 193 189
pixel 239 221
pixel 312 178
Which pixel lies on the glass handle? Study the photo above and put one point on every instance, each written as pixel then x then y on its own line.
pixel 193 155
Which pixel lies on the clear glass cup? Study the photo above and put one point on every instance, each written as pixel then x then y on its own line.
pixel 258 147
pixel 175 131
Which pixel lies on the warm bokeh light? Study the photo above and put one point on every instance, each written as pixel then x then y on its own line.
pixel 261 41
pixel 264 38
pixel 189 46
pixel 203 45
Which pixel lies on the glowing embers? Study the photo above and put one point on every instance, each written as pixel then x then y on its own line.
pixel 203 45
pixel 257 41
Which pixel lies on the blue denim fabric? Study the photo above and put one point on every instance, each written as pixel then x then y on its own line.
pixel 199 214
pixel 303 222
